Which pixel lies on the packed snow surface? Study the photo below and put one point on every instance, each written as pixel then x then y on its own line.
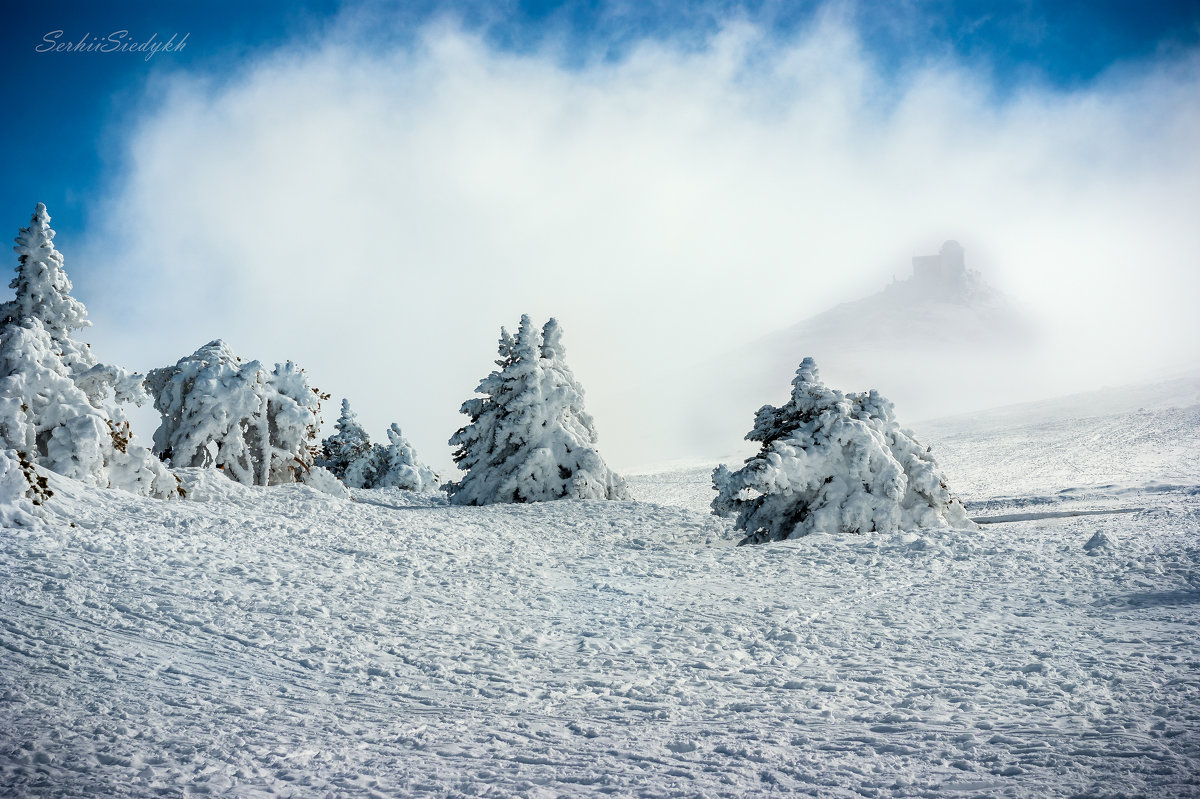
pixel 285 642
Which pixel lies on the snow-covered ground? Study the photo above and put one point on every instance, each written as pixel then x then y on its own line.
pixel 284 642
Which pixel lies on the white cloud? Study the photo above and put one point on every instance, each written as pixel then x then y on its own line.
pixel 377 216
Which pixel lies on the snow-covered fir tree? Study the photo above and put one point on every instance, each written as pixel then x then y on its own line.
pixel 366 469
pixel 43 292
pixel 529 438
pixel 346 445
pixel 353 459
pixel 833 462
pixel 217 410
pixel 290 425
pixel 204 401
pixel 63 405
pixel 583 472
pixel 402 469
pixel 475 441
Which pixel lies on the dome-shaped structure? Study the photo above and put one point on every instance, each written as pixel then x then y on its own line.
pixel 953 263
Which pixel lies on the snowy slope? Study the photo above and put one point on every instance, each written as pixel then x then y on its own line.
pixel 1064 450
pixel 283 642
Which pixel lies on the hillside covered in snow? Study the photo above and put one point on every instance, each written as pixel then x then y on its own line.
pixel 258 641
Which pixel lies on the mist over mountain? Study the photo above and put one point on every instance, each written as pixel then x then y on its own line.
pixel 941 306
pixel 937 341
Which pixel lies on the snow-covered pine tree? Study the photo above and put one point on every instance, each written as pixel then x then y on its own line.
pixel 529 439
pixel 834 463
pixel 292 421
pixel 217 410
pixel 346 445
pixel 204 400
pixel 68 421
pixel 475 441
pixel 571 432
pixel 358 463
pixel 366 469
pixel 43 292
pixel 403 469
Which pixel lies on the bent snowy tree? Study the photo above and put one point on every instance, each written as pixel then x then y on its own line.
pixel 259 427
pixel 60 407
pixel 833 462
pixel 529 438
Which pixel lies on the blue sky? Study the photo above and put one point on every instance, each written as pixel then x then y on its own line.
pixel 66 111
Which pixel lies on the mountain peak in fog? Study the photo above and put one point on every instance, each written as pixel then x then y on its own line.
pixel 943 276
pixel 942 304
pixel 938 341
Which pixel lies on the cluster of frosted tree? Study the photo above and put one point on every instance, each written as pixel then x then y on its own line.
pixel 829 461
pixel 353 459
pixel 529 438
pixel 833 462
pixel 59 408
pixel 257 426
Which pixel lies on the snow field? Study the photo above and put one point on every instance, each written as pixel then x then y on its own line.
pixel 283 642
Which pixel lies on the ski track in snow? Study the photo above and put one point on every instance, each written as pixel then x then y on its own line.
pixel 281 642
